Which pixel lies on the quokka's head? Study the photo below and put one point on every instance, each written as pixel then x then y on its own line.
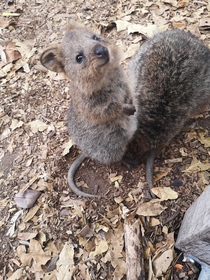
pixel 83 56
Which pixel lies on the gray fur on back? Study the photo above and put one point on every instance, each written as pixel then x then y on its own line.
pixel 170 77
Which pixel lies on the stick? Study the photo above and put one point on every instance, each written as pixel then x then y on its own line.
pixel 134 250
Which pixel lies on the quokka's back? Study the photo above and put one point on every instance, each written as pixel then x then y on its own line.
pixel 170 76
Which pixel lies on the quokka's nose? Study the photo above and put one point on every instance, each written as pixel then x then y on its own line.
pixel 101 52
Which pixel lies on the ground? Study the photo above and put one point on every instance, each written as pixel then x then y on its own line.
pixel 64 236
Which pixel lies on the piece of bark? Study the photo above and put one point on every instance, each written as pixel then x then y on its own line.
pixel 134 250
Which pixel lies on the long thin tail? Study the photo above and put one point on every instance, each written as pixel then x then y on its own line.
pixel 72 170
pixel 149 169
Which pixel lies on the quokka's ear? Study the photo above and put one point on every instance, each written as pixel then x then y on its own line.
pixel 52 60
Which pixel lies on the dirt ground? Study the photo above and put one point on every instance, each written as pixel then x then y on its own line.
pixel 64 236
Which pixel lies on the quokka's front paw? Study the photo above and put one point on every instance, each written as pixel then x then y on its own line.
pixel 129 109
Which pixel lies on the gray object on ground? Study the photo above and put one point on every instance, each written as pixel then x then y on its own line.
pixel 205 268
pixel 194 234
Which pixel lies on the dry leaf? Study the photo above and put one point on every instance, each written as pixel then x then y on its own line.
pixel 65 264
pixel 26 48
pixel 116 184
pixel 203 139
pixel 31 213
pixel 154 222
pixel 121 25
pixel 204 180
pixel 6 69
pixel 118 199
pixel 165 230
pixel 27 235
pixel 161 175
pixel 3 56
pixel 17 274
pixel 151 275
pixel 11 230
pixel 35 253
pixel 15 124
pixel 56 76
pixel 197 166
pixel 8 54
pixel 26 67
pixel 205 23
pixel 101 247
pixel 116 178
pixel 86 231
pixel 162 263
pixel 183 152
pixel 165 193
pixel 67 146
pixel 151 208
pixel 6 133
pixel 148 31
pixel 4 202
pixel 37 125
pixel 120 270
pixel 131 50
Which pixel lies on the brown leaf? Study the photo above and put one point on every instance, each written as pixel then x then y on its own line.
pixel 27 235
pixel 101 247
pixel 9 55
pixel 18 274
pixel 197 166
pixel 165 193
pixel 162 263
pixel 37 125
pixel 151 208
pixel 205 23
pixel 204 139
pixel 36 254
pixel 31 213
pixel 65 264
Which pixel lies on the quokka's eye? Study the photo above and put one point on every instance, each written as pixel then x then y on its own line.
pixel 79 58
pixel 95 38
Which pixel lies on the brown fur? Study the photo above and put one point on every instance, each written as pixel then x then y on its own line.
pixel 101 118
pixel 168 83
